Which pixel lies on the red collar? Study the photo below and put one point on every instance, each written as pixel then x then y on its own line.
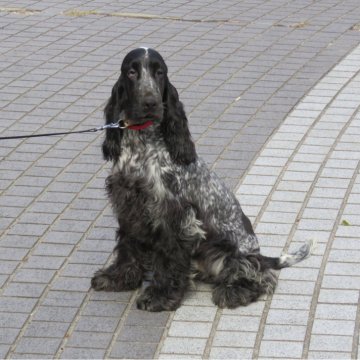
pixel 141 126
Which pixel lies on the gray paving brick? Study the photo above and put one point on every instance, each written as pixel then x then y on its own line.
pixel 173 345
pixel 38 345
pixel 194 313
pixel 147 334
pixel 335 311
pixel 8 335
pixel 4 350
pixel 133 350
pixel 53 313
pixel 238 323
pixel 230 353
pixel 102 308
pixel 82 353
pixel 330 343
pixel 281 349
pixel 190 329
pixel 329 355
pixel 93 340
pixel 17 305
pixel 53 250
pixel 34 276
pixel 24 290
pixel 46 329
pixel 12 253
pixel 13 320
pixel 71 284
pixel 138 317
pixel 234 339
pixel 44 262
pixel 97 324
pixel 291 317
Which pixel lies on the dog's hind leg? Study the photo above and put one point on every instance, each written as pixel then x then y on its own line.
pixel 241 282
pixel 238 279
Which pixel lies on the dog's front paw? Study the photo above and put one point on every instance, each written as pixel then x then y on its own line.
pixel 105 280
pixel 102 282
pixel 157 299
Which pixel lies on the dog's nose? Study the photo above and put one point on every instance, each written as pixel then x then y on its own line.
pixel 149 103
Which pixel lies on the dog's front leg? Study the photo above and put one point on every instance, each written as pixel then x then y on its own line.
pixel 170 280
pixel 125 273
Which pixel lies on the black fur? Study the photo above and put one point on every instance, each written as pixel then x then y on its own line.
pixel 177 220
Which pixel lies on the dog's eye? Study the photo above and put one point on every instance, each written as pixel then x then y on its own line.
pixel 132 74
pixel 159 72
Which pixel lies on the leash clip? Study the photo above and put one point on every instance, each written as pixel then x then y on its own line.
pixel 119 125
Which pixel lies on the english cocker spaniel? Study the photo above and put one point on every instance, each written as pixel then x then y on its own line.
pixel 177 220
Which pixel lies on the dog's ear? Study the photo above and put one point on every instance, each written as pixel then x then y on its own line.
pixel 111 146
pixel 175 128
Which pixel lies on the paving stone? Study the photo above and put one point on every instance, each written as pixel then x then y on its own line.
pixel 281 349
pixel 234 339
pixel 46 329
pixel 238 323
pixel 195 313
pixel 102 308
pixel 8 336
pixel 173 345
pixel 97 324
pixel 190 329
pixel 330 343
pixel 230 353
pixel 53 313
pixel 24 290
pixel 147 334
pixel 87 339
pixel 131 350
pixel 82 353
pixel 38 345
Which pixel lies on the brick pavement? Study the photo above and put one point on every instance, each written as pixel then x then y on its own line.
pixel 241 67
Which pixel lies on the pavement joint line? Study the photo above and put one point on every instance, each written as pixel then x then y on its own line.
pixel 265 145
pixel 62 110
pixel 66 262
pixel 294 152
pixel 275 130
pixel 54 74
pixel 325 257
pixel 237 71
pixel 164 335
pixel 304 41
pixel 280 176
pixel 208 346
pixel 356 335
pixel 57 272
pixel 293 229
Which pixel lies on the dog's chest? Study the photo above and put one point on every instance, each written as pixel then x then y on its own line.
pixel 145 168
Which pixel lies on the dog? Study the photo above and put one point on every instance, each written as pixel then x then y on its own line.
pixel 177 220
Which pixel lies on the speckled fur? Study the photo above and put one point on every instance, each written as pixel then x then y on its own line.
pixel 177 220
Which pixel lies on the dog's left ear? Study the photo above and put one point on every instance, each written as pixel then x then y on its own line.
pixel 175 128
pixel 111 146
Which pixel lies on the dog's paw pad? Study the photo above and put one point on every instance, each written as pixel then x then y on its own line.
pixel 152 299
pixel 101 281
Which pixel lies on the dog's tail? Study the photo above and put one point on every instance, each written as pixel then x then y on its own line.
pixel 286 260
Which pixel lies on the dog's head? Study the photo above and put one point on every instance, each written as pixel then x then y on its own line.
pixel 143 92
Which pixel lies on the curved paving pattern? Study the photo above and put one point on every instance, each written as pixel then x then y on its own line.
pixel 305 185
pixel 241 67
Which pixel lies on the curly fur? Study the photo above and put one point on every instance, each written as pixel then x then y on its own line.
pixel 177 220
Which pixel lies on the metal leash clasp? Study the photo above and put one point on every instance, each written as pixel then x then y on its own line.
pixel 119 125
